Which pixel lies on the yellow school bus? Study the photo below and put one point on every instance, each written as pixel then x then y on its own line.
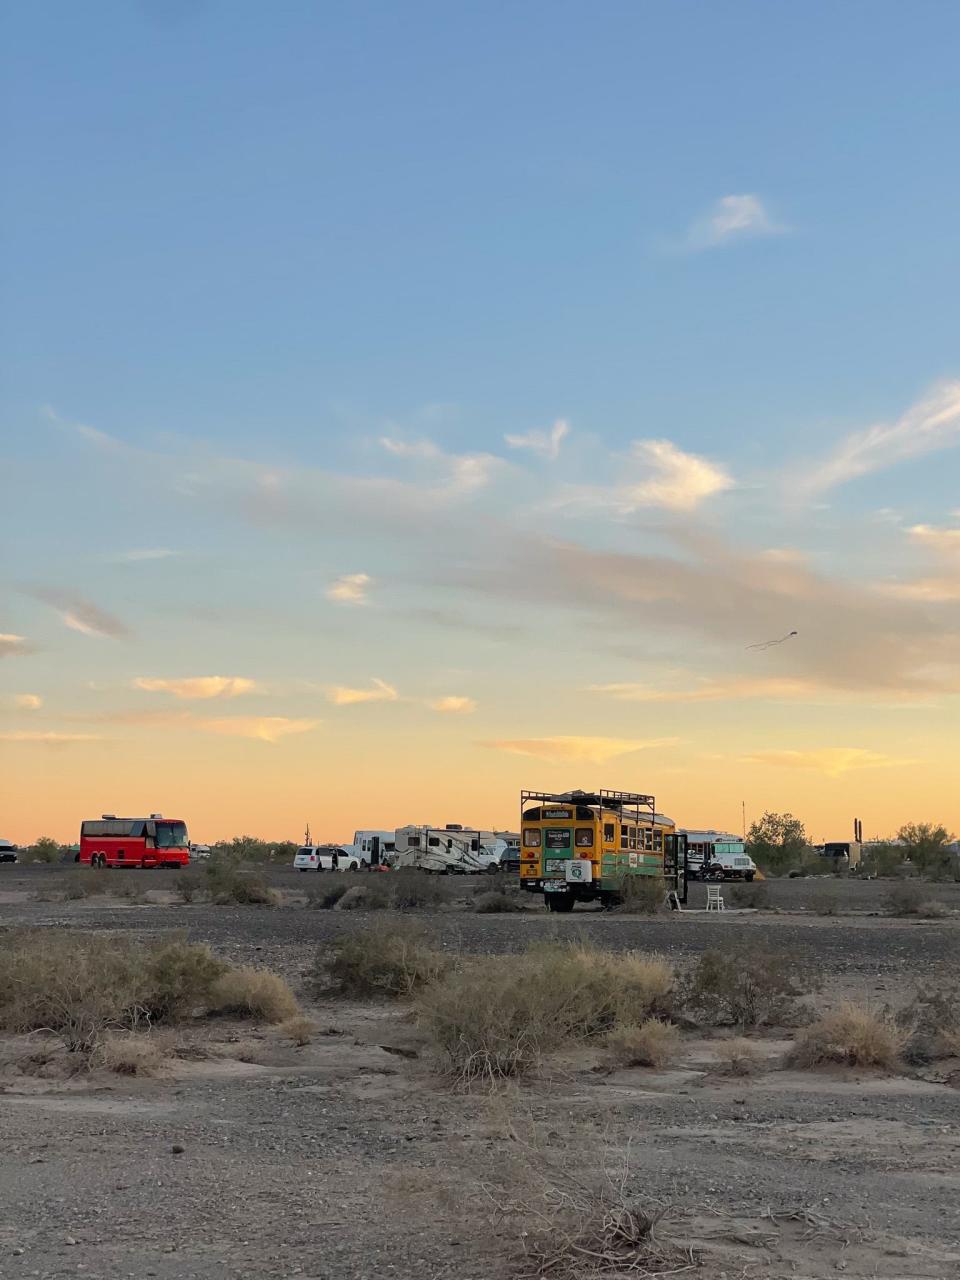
pixel 580 846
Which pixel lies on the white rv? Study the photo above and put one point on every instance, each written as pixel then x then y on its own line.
pixel 449 850
pixel 374 848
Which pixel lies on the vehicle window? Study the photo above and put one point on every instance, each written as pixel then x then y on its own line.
pixel 413 842
pixel 584 837
pixel 624 837
pixel 608 830
pixel 531 838
pixel 433 841
pixel 474 845
pixel 633 837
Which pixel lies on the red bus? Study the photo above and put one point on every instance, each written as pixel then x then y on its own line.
pixel 156 841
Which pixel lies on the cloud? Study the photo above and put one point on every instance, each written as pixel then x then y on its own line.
pixel 679 481
pixel 454 705
pixel 82 615
pixel 944 545
pixel 945 542
pixel 200 687
pixel 712 690
pixel 562 749
pixel 145 554
pixel 546 443
pixel 929 425
pixel 12 646
pixel 263 728
pixel 51 738
pixel 461 473
pixel 92 435
pixel 350 588
pixel 732 218
pixel 28 701
pixel 832 761
pixel 341 696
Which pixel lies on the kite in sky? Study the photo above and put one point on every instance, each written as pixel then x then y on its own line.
pixel 769 644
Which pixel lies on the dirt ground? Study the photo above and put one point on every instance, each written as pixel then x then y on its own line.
pixel 350 1157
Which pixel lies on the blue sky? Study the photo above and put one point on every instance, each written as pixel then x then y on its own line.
pixel 279 282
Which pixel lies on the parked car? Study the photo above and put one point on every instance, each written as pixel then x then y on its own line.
pixel 510 860
pixel 327 857
pixel 8 851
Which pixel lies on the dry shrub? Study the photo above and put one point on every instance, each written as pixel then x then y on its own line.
pixel 229 884
pixel 933 910
pixel 80 882
pixel 652 1044
pixel 851 1036
pixel 750 893
pixel 498 1015
pixel 932 1022
pixel 413 890
pixel 253 993
pixel 132 1054
pixel 825 902
pixel 127 886
pixel 181 979
pixel 746 987
pixel 641 894
pixel 737 1057
pixel 323 897
pixel 190 884
pixel 905 898
pixel 364 897
pixel 497 902
pixel 587 1217
pixel 394 960
pixel 300 1030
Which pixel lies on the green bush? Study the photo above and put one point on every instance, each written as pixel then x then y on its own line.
pixel 180 978
pixel 228 884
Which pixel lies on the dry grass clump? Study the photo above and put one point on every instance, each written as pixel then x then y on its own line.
pixel 641 895
pixel 498 1015
pixel 826 902
pixel 413 890
pixel 588 1217
pixel 750 893
pixel 132 1054
pixel 747 988
pixel 394 960
pixel 325 896
pixel 497 902
pixel 905 898
pixel 300 1030
pixel 82 986
pixel 228 884
pixel 253 993
pixel 851 1036
pixel 364 897
pixel 737 1057
pixel 129 887
pixel 932 1022
pixel 79 882
pixel 652 1044
pixel 190 884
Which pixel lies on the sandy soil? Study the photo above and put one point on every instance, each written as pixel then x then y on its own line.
pixel 349 1157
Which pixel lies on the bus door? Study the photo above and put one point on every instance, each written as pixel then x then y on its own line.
pixel 675 864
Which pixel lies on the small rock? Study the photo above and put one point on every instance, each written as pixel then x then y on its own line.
pixel 17 1251
pixel 177 1149
pixel 69 1240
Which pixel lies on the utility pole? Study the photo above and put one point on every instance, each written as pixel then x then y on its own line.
pixel 743 816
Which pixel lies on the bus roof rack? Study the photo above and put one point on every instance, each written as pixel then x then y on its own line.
pixel 642 806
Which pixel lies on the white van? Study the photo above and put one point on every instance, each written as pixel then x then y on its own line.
pixel 326 857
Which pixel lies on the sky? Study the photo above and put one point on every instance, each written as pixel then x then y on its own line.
pixel 406 404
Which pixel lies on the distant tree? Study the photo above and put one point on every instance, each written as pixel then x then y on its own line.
pixel 777 842
pixel 45 849
pixel 926 846
pixel 883 859
pixel 253 849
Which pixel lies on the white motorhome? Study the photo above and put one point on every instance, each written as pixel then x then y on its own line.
pixel 374 848
pixel 449 850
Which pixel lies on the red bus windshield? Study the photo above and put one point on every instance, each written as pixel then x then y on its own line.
pixel 171 835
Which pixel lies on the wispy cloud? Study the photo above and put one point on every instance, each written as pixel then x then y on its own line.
pixel 711 690
pixel 144 554
pixel 28 701
pixel 342 696
pixel 678 481
pixel 91 435
pixel 563 749
pixel 262 728
pixel 12 646
pixel 930 425
pixel 453 704
pixel 81 615
pixel 942 588
pixel 732 218
pixel 832 761
pixel 461 473
pixel 350 588
pixel 546 443
pixel 199 687
pixel 50 738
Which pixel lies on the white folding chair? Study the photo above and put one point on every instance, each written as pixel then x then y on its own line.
pixel 714 898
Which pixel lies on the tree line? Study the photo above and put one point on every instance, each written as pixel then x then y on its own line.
pixel 778 844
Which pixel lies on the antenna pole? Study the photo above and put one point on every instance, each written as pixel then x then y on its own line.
pixel 743 817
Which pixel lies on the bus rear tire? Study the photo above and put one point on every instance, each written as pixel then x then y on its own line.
pixel 556 902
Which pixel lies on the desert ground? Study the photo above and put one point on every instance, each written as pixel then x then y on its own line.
pixel 353 1156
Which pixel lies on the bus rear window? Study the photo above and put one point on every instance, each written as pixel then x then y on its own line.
pixel 584 837
pixel 531 838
